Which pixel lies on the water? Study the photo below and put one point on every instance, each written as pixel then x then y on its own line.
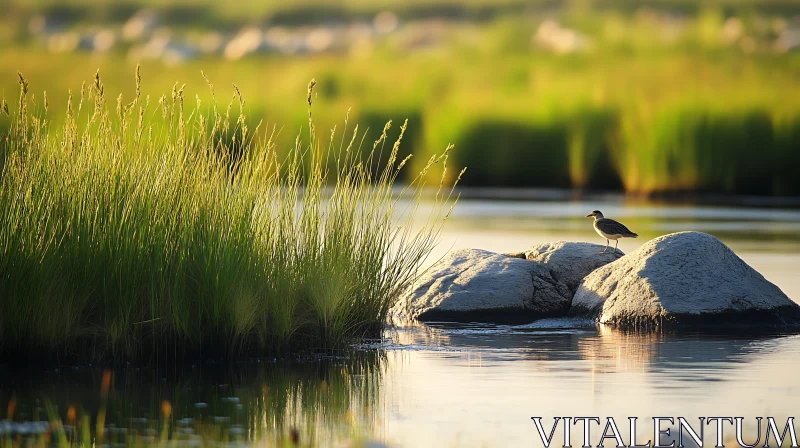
pixel 466 384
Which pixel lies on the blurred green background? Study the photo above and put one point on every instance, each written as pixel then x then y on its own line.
pixel 646 97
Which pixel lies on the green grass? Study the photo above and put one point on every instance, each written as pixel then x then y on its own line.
pixel 165 226
pixel 649 109
pixel 609 123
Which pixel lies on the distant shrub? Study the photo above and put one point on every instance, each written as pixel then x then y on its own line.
pixel 568 150
pixel 736 151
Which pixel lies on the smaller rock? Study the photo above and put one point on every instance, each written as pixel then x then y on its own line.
pixel 478 285
pixel 570 262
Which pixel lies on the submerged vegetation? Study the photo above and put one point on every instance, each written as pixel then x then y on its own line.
pixel 155 229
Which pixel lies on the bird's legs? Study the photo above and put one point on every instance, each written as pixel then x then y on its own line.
pixel 608 243
pixel 615 245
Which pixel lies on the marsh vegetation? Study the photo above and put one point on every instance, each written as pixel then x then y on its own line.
pixel 645 98
pixel 158 229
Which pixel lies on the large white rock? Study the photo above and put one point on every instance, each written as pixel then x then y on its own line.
pixel 682 279
pixel 478 285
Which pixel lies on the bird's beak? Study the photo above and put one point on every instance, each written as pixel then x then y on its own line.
pixel 589 215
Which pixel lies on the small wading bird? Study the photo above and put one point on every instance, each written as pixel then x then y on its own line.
pixel 609 229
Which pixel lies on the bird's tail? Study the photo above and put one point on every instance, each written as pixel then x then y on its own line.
pixel 633 235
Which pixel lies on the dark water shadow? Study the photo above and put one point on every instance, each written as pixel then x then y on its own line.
pixel 321 400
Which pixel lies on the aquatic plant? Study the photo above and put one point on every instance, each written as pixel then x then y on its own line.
pixel 158 230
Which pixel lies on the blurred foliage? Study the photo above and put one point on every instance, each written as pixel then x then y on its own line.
pixel 654 96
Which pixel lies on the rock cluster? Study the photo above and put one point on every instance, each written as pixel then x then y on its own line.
pixel 475 285
pixel 687 279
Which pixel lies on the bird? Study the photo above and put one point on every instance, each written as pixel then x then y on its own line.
pixel 609 229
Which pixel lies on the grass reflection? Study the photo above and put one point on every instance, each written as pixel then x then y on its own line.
pixel 321 402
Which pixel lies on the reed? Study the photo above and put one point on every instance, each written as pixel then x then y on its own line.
pixel 165 226
pixel 720 148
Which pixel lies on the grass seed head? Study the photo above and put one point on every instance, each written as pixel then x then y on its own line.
pixel 311 85
pixel 23 83
pixel 138 81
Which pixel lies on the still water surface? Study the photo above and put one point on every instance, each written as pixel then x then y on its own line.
pixel 475 385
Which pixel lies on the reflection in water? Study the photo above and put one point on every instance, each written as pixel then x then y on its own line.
pixel 487 381
pixel 439 384
pixel 323 401
pixel 616 351
pixel 338 400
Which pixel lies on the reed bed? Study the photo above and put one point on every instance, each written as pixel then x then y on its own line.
pixel 151 228
pixel 584 122
pixel 669 98
pixel 677 148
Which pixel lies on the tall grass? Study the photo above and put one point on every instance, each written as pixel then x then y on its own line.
pixel 638 111
pixel 683 146
pixel 726 149
pixel 153 228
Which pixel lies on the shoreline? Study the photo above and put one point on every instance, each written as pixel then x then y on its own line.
pixel 686 198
